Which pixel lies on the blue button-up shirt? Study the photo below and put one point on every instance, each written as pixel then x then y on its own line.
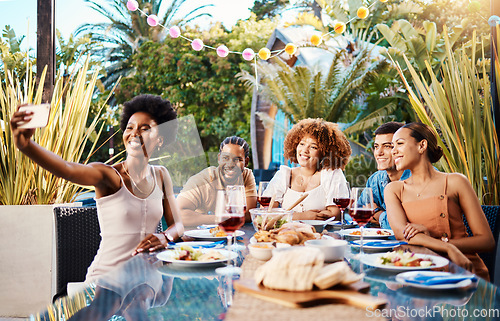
pixel 377 182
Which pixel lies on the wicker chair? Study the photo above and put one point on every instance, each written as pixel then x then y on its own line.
pixel 78 239
pixel 491 212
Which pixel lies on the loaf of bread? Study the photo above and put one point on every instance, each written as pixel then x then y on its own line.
pixel 293 269
pixel 299 268
pixel 336 273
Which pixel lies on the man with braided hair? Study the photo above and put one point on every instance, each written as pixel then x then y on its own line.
pixel 197 198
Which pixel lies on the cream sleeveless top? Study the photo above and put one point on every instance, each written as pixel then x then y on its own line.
pixel 125 220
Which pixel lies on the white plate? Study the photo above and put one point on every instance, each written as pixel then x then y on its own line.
pixel 206 235
pixel 403 277
pixel 192 272
pixel 384 245
pixel 168 256
pixel 370 231
pixel 371 259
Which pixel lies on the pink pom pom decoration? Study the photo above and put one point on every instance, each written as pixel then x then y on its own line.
pixel 222 51
pixel 174 32
pixel 248 54
pixel 132 5
pixel 153 20
pixel 197 44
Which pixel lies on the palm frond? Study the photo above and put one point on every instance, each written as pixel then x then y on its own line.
pixel 459 105
pixel 377 117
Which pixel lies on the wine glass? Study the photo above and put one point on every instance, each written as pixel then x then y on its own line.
pixel 342 199
pixel 230 216
pixel 362 209
pixel 239 194
pixel 264 199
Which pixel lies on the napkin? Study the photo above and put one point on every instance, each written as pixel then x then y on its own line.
pixel 197 246
pixel 424 279
pixel 345 223
pixel 381 243
pixel 211 245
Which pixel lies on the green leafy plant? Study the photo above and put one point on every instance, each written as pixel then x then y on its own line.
pixel 11 55
pixel 421 46
pixel 459 107
pixel 22 181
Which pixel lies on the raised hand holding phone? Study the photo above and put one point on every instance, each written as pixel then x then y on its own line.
pixel 39 115
pixel 20 124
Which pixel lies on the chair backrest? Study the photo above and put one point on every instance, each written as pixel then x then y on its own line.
pixel 77 241
pixel 263 175
pixel 491 212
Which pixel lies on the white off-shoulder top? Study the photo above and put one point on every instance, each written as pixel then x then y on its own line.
pixel 332 185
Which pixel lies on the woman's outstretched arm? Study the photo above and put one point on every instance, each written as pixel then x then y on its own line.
pixel 91 175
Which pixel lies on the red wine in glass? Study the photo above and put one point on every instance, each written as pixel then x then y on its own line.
pixel 342 203
pixel 362 215
pixel 232 223
pixel 264 201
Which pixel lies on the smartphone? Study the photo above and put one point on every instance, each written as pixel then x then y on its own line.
pixel 40 116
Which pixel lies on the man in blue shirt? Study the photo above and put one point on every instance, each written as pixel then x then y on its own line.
pixel 387 172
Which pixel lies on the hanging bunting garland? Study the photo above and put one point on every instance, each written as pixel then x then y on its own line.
pixel 248 54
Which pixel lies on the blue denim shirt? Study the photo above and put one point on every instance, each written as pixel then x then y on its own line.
pixel 378 181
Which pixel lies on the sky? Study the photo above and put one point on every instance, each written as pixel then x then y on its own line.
pixel 21 15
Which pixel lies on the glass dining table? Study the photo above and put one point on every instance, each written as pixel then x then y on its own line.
pixel 145 288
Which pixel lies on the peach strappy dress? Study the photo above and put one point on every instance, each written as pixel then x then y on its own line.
pixel 443 218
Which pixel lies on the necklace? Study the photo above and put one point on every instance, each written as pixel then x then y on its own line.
pixel 419 193
pixel 301 179
pixel 132 180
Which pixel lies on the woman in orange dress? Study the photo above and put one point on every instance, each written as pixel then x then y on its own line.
pixel 426 209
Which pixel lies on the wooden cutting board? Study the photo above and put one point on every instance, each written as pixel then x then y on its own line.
pixel 347 295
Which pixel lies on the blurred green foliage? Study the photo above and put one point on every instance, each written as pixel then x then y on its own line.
pixel 359 169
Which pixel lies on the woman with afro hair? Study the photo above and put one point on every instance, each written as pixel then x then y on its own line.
pixel 131 196
pixel 322 151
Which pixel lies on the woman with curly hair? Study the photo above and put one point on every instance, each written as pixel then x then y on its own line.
pixel 322 151
pixel 426 209
pixel 131 196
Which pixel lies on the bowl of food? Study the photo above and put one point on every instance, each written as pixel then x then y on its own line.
pixel 332 249
pixel 263 220
pixel 261 251
pixel 318 225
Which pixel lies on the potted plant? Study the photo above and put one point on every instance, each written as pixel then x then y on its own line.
pixel 27 191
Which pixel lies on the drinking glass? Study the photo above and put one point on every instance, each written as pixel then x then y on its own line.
pixel 230 216
pixel 263 200
pixel 237 192
pixel 342 199
pixel 362 209
pixel 225 290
